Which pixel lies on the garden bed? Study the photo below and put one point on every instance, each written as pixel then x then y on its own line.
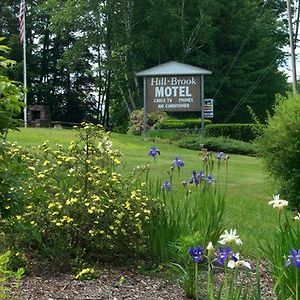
pixel 113 283
pixel 116 283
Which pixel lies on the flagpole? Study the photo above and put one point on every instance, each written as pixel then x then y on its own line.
pixel 24 68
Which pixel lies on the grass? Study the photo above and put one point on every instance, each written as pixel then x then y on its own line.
pixel 249 188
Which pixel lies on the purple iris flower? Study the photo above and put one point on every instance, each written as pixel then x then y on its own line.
pixel 294 258
pixel 194 178
pixel 196 254
pixel 166 186
pixel 154 152
pixel 220 155
pixel 210 179
pixel 223 255
pixel 178 162
pixel 197 177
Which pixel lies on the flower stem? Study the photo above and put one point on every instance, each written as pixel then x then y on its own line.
pixel 226 182
pixel 196 282
pixel 210 294
pixel 297 284
pixel 226 281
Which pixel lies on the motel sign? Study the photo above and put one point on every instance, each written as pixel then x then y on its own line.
pixel 173 93
pixel 174 87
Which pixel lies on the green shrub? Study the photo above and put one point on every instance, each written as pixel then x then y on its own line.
pixel 136 122
pixel 11 94
pixel 218 144
pixel 241 132
pixel 280 147
pixel 77 207
pixel 13 170
pixel 181 123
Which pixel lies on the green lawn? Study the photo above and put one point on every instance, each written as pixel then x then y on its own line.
pixel 249 188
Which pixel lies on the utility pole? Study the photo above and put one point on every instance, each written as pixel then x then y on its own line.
pixel 292 46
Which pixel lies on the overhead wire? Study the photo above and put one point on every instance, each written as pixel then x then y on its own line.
pixel 240 49
pixel 250 90
pixel 261 77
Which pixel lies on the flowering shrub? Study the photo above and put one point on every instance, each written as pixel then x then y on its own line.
pixel 136 122
pixel 13 170
pixel 77 204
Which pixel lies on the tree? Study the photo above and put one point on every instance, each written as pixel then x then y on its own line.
pixel 83 54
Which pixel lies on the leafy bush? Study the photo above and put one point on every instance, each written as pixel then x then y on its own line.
pixel 218 144
pixel 13 171
pixel 76 205
pixel 182 123
pixel 280 147
pixel 10 95
pixel 136 122
pixel 241 132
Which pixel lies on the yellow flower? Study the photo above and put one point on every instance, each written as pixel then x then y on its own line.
pixel 92 232
pixel 116 161
pixel 46 162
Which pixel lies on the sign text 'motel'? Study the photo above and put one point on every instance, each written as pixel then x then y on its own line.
pixel 173 93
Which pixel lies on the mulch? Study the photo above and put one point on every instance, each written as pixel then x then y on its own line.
pixel 113 284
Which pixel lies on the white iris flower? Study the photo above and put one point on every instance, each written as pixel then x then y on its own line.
pixel 230 237
pixel 278 203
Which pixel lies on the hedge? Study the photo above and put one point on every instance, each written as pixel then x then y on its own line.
pixel 241 132
pixel 182 124
pixel 218 144
pixel 171 134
